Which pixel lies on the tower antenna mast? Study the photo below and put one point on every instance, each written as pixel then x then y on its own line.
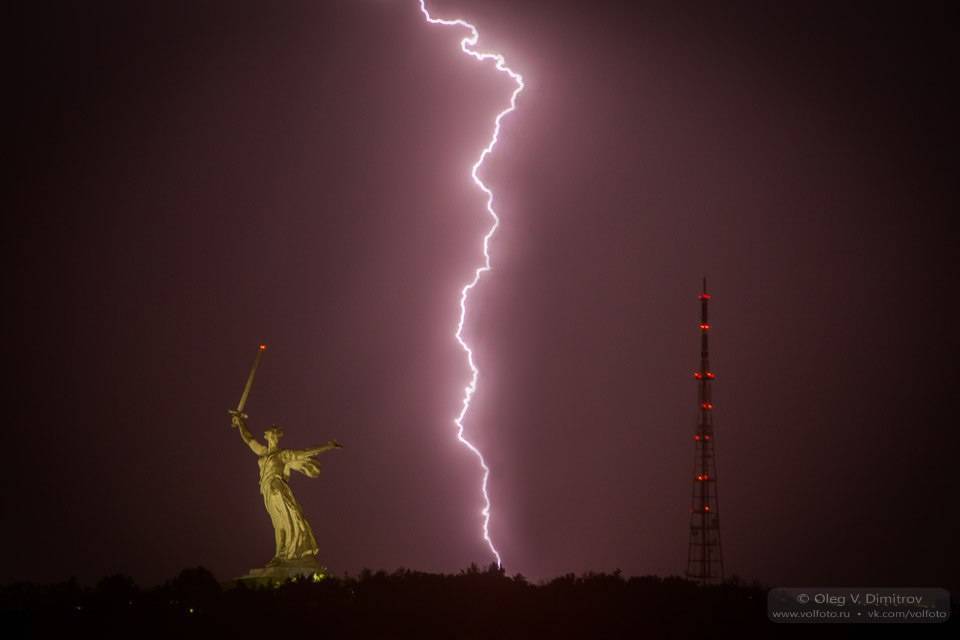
pixel 704 554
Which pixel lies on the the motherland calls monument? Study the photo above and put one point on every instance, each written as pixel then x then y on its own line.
pixel 296 548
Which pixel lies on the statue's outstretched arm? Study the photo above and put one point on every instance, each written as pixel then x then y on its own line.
pixel 333 444
pixel 252 442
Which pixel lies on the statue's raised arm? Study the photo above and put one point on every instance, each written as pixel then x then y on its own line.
pixel 237 421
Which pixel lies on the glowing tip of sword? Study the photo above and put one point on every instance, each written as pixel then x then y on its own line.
pixel 263 347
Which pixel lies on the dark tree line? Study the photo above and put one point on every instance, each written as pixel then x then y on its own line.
pixel 473 603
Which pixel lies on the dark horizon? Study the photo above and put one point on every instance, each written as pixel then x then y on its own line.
pixel 191 181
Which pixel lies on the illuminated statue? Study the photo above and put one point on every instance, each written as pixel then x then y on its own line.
pixel 295 543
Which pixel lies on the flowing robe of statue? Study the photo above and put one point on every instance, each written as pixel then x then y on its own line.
pixel 293 534
pixel 294 538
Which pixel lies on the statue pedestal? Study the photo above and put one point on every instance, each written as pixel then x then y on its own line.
pixel 305 569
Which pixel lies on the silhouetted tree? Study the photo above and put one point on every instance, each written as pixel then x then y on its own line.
pixel 195 587
pixel 117 591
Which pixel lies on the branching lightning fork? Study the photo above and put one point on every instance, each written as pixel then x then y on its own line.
pixel 467 46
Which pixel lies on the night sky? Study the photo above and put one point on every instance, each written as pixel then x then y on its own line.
pixel 190 179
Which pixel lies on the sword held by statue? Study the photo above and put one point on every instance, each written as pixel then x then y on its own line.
pixel 238 412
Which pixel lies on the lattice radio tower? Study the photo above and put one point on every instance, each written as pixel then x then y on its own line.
pixel 704 555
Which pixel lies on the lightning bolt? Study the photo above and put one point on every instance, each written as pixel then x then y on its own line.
pixel 467 45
